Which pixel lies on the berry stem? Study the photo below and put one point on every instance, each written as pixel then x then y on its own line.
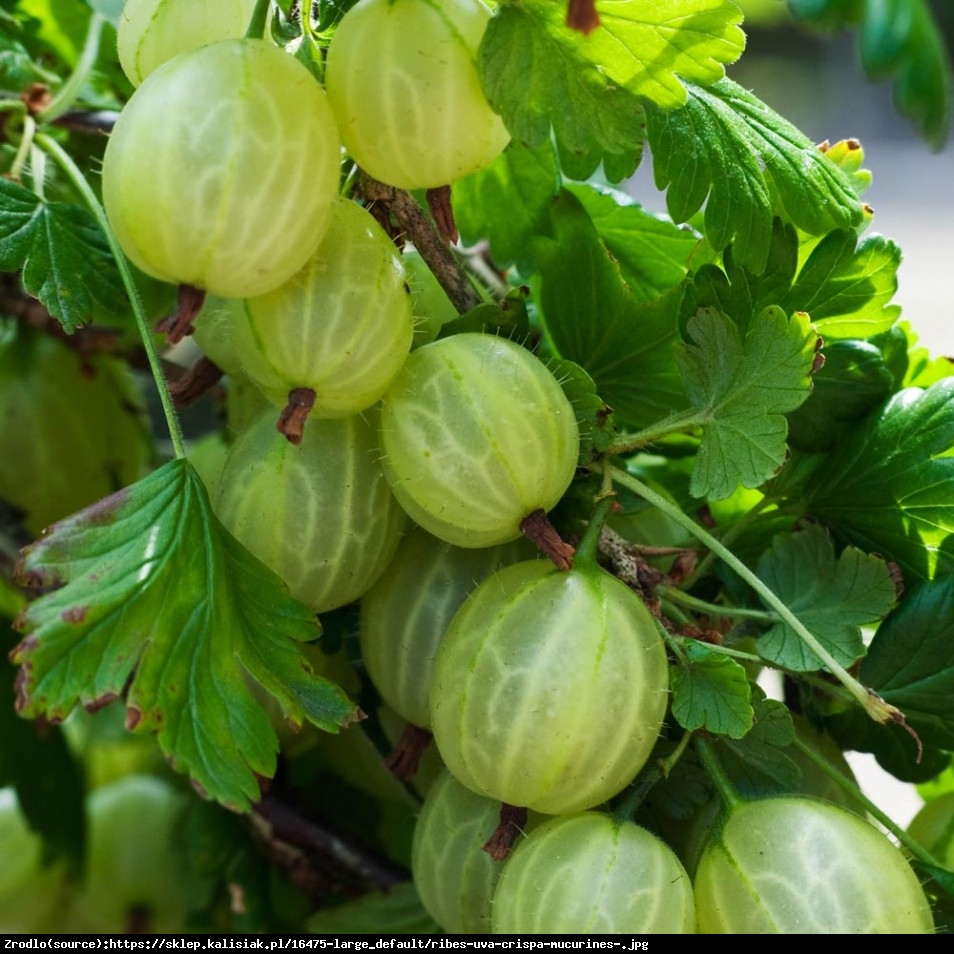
pixel 69 92
pixel 78 180
pixel 730 797
pixel 874 705
pixel 259 20
pixel 587 550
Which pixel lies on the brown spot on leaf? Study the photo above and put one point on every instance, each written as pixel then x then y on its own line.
pixel 107 698
pixel 581 16
pixel 75 614
pixel 133 717
pixel 21 686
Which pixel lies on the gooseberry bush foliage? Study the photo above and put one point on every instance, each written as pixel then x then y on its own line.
pixel 475 500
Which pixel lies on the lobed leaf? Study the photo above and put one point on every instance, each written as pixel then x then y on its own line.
pixel 592 318
pixel 832 596
pixel 159 604
pixel 652 252
pixel 886 488
pixel 726 149
pixel 534 77
pixel 66 262
pixel 757 764
pixel 743 388
pixel 711 691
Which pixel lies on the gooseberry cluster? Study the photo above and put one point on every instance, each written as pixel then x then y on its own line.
pixel 545 686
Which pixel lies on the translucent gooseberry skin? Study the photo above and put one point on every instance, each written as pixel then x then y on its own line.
pixel 194 186
pixel 150 32
pixel 453 875
pixel 405 614
pixel 592 874
pixel 402 80
pixel 341 326
pixel 796 865
pixel 320 515
pixel 477 435
pixel 549 688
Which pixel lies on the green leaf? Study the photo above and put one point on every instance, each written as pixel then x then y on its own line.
pixel 832 596
pixel 853 381
pixel 846 286
pixel 508 202
pixel 159 604
pixel 727 149
pixel 888 487
pixel 649 47
pixel 910 662
pixel 894 747
pixel 757 764
pixel 594 418
pixel 16 64
pixel 49 781
pixel 535 75
pixel 64 256
pixel 539 73
pixel 742 390
pixel 652 253
pixel 711 691
pixel 398 911
pixel 591 318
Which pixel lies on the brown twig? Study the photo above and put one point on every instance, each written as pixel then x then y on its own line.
pixel 330 857
pixel 420 229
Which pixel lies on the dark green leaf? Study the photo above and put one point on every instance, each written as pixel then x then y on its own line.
pixel 161 605
pixel 37 761
pixel 832 597
pixel 853 381
pixel 739 293
pixel 888 487
pixel 743 388
pixel 65 259
pixel 910 662
pixel 508 202
pixel 757 764
pixel 594 418
pixel 893 746
pixel 727 149
pixel 651 251
pixel 591 318
pixel 398 911
pixel 711 691
pixel 536 79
